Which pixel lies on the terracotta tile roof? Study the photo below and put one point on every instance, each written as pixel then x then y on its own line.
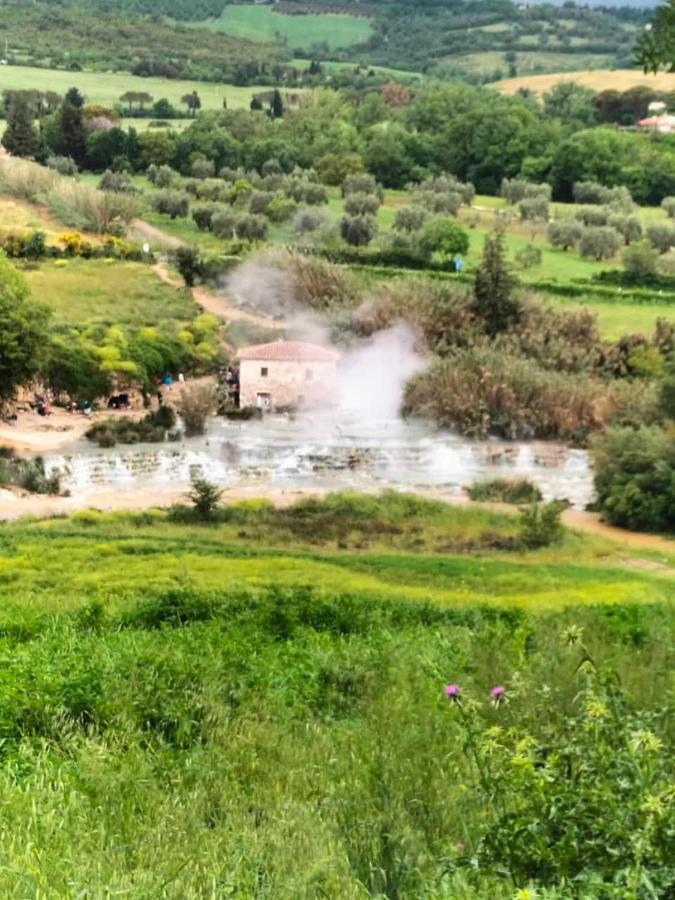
pixel 290 351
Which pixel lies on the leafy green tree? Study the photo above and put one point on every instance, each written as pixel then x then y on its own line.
pixel 76 371
pixel 635 477
pixel 667 389
pixel 444 239
pixel 334 168
pixel 494 288
pixel 20 137
pixel 23 331
pixel 656 47
pixel 189 264
pixel 571 103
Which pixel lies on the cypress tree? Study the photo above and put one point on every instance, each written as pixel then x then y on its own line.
pixel 20 137
pixel 71 140
pixel 277 105
pixel 494 288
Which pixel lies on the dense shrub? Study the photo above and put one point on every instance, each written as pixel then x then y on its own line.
pixel 540 524
pixel 483 391
pixel 152 428
pixel 505 490
pixel 64 165
pixel 195 404
pixel 635 477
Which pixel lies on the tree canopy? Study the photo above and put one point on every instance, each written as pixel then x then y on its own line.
pixel 23 331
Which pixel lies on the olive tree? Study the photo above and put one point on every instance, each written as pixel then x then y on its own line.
pixel 629 227
pixel 358 230
pixel 174 204
pixel 668 204
pixel 410 218
pixel 600 242
pixel 360 204
pixel 565 233
pixel 661 235
pixel 640 259
pixel 533 209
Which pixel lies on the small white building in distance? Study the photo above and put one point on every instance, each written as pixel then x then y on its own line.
pixel 288 374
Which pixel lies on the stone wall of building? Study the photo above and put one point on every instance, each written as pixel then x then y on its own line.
pixel 288 383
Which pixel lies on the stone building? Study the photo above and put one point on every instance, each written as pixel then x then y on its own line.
pixel 287 374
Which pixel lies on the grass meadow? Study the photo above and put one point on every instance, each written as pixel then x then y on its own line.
pixel 95 291
pixel 254 22
pixel 256 707
pixel 107 87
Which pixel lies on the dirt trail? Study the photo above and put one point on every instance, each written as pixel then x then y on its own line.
pixel 591 523
pixel 143 231
pixel 217 304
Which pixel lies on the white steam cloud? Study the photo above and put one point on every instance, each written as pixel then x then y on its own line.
pixel 372 373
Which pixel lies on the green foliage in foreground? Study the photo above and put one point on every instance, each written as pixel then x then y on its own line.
pixel 188 712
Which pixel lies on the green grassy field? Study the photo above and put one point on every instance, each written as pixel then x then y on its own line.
pixel 261 23
pixel 107 87
pixel 256 708
pixel 115 293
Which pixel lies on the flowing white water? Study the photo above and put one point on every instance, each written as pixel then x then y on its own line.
pixel 326 451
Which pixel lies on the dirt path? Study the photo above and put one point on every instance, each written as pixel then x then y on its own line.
pixel 217 304
pixel 143 231
pixel 591 523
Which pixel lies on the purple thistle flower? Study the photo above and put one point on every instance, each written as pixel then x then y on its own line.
pixel 497 693
pixel 452 691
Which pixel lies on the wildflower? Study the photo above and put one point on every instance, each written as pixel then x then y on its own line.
pixel 497 694
pixel 645 740
pixel 452 691
pixel 653 805
pixel 572 635
pixel 596 708
pixel 525 894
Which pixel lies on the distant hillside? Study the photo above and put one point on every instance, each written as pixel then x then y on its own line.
pixel 477 40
